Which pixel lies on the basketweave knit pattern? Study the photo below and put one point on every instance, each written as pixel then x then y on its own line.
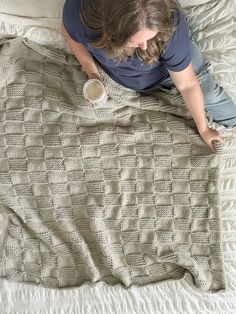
pixel 125 193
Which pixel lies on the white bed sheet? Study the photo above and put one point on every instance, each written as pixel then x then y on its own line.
pixel 208 17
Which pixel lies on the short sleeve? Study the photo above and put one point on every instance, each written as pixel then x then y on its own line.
pixel 176 56
pixel 72 21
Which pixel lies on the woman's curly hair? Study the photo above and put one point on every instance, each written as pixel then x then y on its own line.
pixel 118 20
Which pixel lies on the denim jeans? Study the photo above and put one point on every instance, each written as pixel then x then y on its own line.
pixel 217 102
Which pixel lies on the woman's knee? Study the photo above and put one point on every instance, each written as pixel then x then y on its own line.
pixel 197 58
pixel 217 102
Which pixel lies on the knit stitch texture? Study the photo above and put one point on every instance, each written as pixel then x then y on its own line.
pixel 125 193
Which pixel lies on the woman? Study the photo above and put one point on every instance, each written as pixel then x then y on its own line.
pixel 142 44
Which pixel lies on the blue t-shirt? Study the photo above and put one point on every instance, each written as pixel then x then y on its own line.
pixel 132 72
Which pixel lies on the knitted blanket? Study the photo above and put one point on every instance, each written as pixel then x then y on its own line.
pixel 125 193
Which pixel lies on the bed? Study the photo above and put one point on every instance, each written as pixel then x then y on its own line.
pixel 214 28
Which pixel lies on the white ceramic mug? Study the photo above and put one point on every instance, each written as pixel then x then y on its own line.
pixel 94 91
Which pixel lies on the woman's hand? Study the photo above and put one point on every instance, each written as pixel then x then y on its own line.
pixel 94 75
pixel 209 135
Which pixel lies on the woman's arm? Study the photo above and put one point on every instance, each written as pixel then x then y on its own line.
pixel 82 55
pixel 187 83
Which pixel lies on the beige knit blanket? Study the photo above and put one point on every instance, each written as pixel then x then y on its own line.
pixel 125 193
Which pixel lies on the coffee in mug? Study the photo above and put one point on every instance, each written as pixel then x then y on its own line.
pixel 94 91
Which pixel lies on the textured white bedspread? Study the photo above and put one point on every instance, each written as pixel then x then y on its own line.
pixel 214 28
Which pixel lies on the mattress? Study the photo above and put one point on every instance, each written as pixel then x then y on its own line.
pixel 214 28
